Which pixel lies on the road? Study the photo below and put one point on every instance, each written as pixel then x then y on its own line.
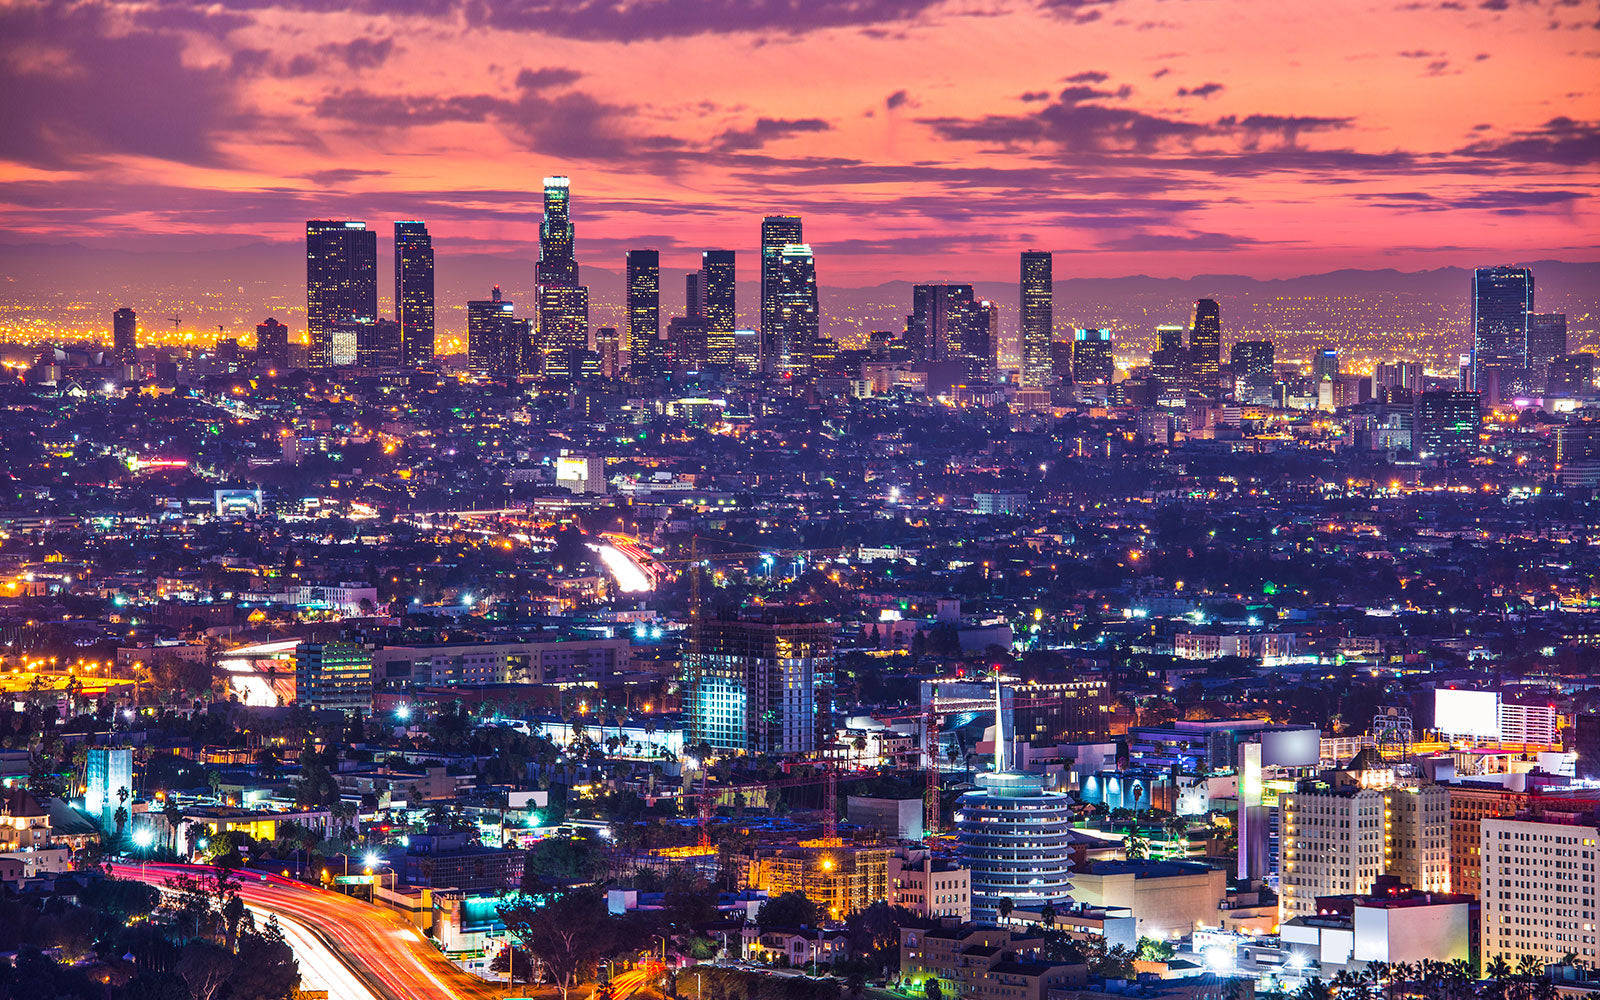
pixel 379 955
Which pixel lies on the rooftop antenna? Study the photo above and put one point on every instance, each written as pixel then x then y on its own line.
pixel 999 729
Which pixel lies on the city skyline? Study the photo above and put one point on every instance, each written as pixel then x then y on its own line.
pixel 1164 139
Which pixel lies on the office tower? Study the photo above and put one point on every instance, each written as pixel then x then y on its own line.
pixel 1205 344
pixel 557 266
pixel 563 329
pixel 1336 841
pixel 777 232
pixel 608 345
pixel 125 335
pixel 1578 453
pixel 1445 424
pixel 646 354
pixel 1061 361
pixel 947 324
pixel 1014 836
pixel 1547 341
pixel 341 285
pixel 1502 298
pixel 1325 365
pixel 378 345
pixel 1092 360
pixel 1037 316
pixel 694 298
pixel 107 771
pixel 1572 375
pixel 747 351
pixel 686 343
pixel 751 681
pixel 1397 375
pixel 1586 741
pixel 494 337
pixel 272 342
pixel 345 338
pixel 1252 357
pixel 1538 897
pixel 1464 372
pixel 1169 362
pixel 718 306
pixel 335 676
pixel 413 293
pixel 798 330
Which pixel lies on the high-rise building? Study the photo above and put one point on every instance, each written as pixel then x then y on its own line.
pixel 947 324
pixel 1470 805
pixel 718 306
pixel 1547 341
pixel 1538 894
pixel 747 351
pixel 608 344
pixel 1252 357
pixel 687 337
pixel 1169 362
pixel 751 681
pixel 107 772
pixel 777 232
pixel 1205 344
pixel 1502 299
pixel 413 293
pixel 124 335
pixel 1013 835
pixel 378 344
pixel 1325 365
pixel 272 342
pixel 1092 360
pixel 557 264
pixel 798 331
pixel 1037 316
pixel 341 286
pixel 1445 423
pixel 646 353
pixel 494 337
pixel 694 295
pixel 1586 741
pixel 333 675
pixel 1397 375
pixel 1338 840
pixel 563 329
pixel 1572 375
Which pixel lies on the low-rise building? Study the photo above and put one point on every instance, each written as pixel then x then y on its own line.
pixel 1166 898
pixel 977 963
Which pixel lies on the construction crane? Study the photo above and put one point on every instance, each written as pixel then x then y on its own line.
pixel 175 321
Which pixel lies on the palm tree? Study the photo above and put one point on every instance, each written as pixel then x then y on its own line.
pixel 1005 906
pixel 1047 914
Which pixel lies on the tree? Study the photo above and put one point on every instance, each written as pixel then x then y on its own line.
pixel 1155 950
pixel 791 909
pixel 932 990
pixel 569 934
pixel 1005 906
pixel 266 967
pixel 1047 914
pixel 205 968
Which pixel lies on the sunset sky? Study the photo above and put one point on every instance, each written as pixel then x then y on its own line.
pixel 918 139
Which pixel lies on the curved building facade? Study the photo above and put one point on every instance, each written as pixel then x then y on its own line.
pixel 1016 839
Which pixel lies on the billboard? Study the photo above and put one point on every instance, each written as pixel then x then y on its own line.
pixel 1473 714
pixel 1291 747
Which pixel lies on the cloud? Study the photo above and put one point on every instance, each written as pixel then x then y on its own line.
pixel 1511 202
pixel 1166 241
pixel 341 175
pixel 1088 76
pixel 645 20
pixel 1561 141
pixel 897 99
pixel 1076 11
pixel 360 53
pixel 767 130
pixel 1203 91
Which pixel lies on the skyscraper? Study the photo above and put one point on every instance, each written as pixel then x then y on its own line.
pixel 750 682
pixel 1547 341
pixel 1169 362
pixel 777 232
pixel 125 335
pixel 947 324
pixel 557 265
pixel 272 342
pixel 1092 357
pixel 378 344
pixel 718 306
pixel 1445 423
pixel 563 329
pixel 608 344
pixel 413 293
pixel 797 333
pixel 1205 344
pixel 1502 298
pixel 1252 357
pixel 341 285
pixel 494 337
pixel 1325 364
pixel 1037 316
pixel 646 355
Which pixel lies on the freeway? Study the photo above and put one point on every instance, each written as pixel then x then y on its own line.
pixel 381 955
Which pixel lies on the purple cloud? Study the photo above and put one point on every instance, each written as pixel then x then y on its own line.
pixel 767 130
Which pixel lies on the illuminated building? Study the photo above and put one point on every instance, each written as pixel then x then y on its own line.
pixel 777 232
pixel 494 337
pixel 1469 806
pixel 687 338
pixel 333 675
pixel 1538 891
pixel 1338 840
pixel 1502 299
pixel 718 307
pixel 1445 424
pixel 124 335
pixel 1252 357
pixel 798 315
pixel 751 683
pixel 839 878
pixel 646 353
pixel 1037 316
pixel 378 345
pixel 1547 341
pixel 983 963
pixel 557 266
pixel 1169 362
pixel 927 886
pixel 1572 375
pixel 608 344
pixel 341 286
pixel 413 293
pixel 947 324
pixel 1014 836
pixel 563 330
pixel 1325 365
pixel 1092 360
pixel 1167 899
pixel 107 771
pixel 272 342
pixel 1205 343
